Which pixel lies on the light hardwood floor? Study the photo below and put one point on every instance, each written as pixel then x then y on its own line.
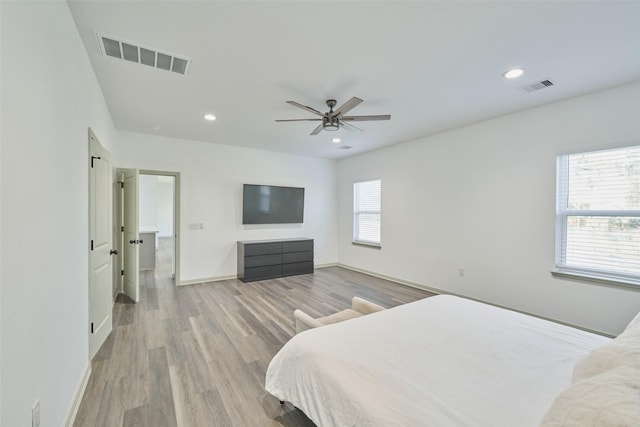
pixel 197 355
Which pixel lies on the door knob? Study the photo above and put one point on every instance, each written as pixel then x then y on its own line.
pixel 132 242
pixel 113 252
pixel 140 241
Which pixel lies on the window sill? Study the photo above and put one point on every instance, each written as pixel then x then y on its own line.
pixel 367 244
pixel 622 283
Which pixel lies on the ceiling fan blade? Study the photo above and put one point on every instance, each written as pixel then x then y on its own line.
pixel 304 107
pixel 317 130
pixel 365 118
pixel 299 120
pixel 347 106
pixel 350 128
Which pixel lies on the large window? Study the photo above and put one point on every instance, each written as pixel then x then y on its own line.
pixel 366 212
pixel 598 214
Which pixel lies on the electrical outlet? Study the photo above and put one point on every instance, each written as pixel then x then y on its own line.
pixel 35 414
pixel 461 272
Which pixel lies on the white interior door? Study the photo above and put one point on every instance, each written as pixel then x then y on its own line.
pixel 131 234
pixel 100 232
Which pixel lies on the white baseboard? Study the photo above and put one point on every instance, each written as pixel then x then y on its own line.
pixel 235 276
pixel 77 398
pixel 328 264
pixel 206 279
pixel 395 279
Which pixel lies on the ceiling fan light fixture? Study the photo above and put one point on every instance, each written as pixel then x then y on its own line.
pixel 331 124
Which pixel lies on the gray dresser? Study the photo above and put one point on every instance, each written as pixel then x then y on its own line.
pixel 269 259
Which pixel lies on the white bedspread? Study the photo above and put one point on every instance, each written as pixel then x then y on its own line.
pixel 440 361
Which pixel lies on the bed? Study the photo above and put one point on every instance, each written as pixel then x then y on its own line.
pixel 440 361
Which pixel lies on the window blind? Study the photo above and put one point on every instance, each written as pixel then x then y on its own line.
pixel 366 211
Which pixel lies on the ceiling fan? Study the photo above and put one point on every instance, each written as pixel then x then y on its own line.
pixel 334 120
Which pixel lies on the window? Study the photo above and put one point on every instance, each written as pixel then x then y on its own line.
pixel 598 214
pixel 366 212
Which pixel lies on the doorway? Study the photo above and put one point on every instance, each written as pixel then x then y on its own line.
pixel 158 212
pixel 153 212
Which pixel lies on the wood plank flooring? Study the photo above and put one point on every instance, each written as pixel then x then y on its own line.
pixel 197 355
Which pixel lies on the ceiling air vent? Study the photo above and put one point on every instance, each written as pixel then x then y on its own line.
pixel 536 86
pixel 116 47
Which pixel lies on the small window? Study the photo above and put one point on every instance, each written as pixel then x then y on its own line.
pixel 598 214
pixel 366 212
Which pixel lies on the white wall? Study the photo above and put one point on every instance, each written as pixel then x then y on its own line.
pixel 50 97
pixel 148 201
pixel 482 198
pixel 165 206
pixel 211 192
pixel 156 204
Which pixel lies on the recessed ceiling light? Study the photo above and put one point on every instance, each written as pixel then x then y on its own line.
pixel 336 140
pixel 209 117
pixel 514 73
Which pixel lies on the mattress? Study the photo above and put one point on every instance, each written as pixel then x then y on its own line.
pixel 440 361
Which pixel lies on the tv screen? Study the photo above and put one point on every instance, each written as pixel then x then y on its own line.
pixel 268 204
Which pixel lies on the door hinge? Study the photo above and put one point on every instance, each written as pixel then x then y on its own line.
pixel 121 184
pixel 92 245
pixel 94 158
pixel 91 327
pixel 122 272
pixel 122 228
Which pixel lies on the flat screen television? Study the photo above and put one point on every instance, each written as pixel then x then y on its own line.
pixel 269 204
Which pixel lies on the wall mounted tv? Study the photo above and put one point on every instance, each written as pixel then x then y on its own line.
pixel 268 204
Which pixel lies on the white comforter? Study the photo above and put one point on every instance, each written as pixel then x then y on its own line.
pixel 440 361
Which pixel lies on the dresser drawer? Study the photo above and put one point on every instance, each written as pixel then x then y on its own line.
pixel 262 248
pixel 297 268
pixel 262 273
pixel 297 257
pixel 262 260
pixel 299 246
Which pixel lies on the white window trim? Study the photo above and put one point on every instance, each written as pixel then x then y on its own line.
pixel 366 244
pixel 592 275
pixel 577 274
pixel 362 242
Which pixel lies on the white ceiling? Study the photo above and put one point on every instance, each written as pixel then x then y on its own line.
pixel 432 65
